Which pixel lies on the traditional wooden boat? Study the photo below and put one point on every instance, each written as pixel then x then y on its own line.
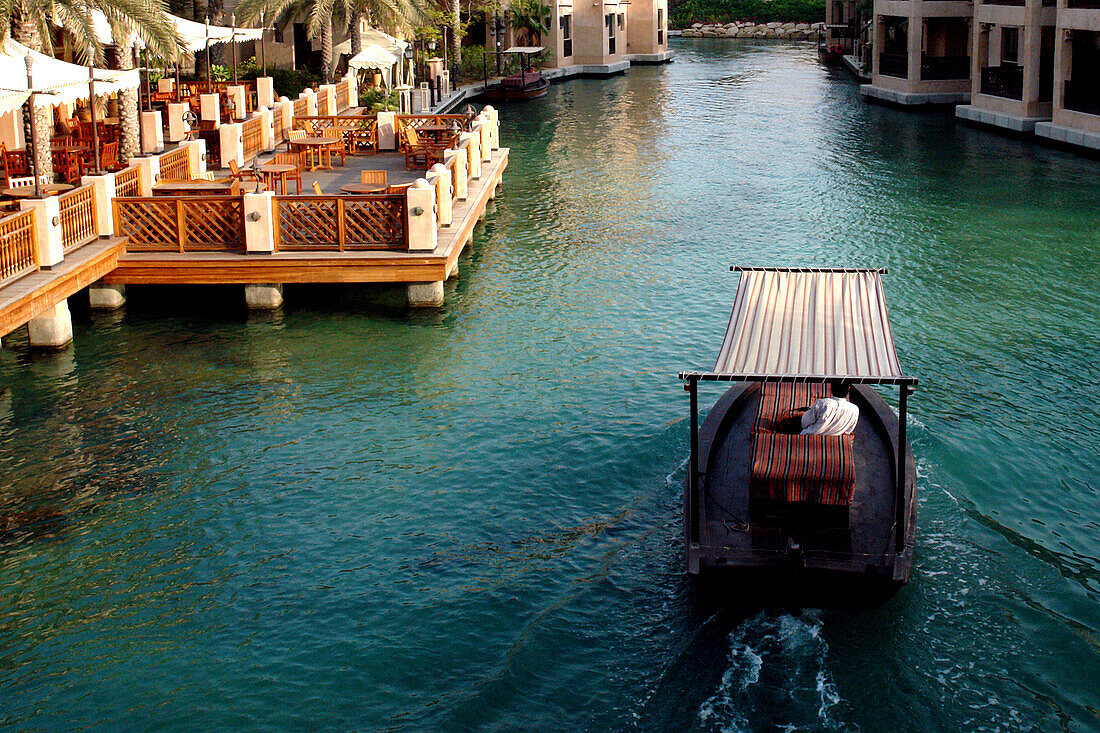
pixel 830 53
pixel 527 84
pixel 807 520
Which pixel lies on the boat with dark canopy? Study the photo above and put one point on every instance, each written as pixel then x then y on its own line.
pixel 527 84
pixel 810 520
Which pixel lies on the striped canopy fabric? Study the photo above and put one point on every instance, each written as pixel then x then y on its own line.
pixel 809 324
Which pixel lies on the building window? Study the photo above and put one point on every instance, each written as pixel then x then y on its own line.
pixel 609 22
pixel 566 25
pixel 660 26
pixel 622 22
pixel 1010 45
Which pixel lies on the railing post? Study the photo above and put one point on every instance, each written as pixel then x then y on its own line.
pixel 486 143
pixel 240 108
pixel 387 136
pixel 47 230
pixel 473 152
pixel 177 128
pixel 460 171
pixel 494 125
pixel 443 202
pixel 259 222
pixel 268 126
pixel 196 157
pixel 265 91
pixel 148 174
pixel 311 102
pixel 103 192
pixel 353 89
pixel 420 222
pixel 152 139
pixel 210 108
pixel 231 138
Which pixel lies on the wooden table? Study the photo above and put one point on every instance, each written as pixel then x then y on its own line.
pixel 273 172
pixel 69 148
pixel 27 192
pixel 356 187
pixel 197 188
pixel 319 149
pixel 438 132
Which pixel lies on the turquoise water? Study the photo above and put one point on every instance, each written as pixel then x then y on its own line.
pixel 348 516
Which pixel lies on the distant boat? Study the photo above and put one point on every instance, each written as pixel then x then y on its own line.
pixel 527 84
pixel 831 54
pixel 771 516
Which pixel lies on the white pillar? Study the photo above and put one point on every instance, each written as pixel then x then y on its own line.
pixel 473 150
pixel 47 224
pixel 267 296
pixel 268 128
pixel 259 225
pixel 286 109
pixel 106 297
pixel 177 128
pixel 236 95
pixel 150 174
pixel 210 108
pixel 459 181
pixel 444 201
pixel 494 125
pixel 51 329
pixel 485 142
pixel 232 143
pixel 265 91
pixel 387 138
pixel 420 221
pixel 104 193
pixel 196 157
pixel 311 102
pixel 152 129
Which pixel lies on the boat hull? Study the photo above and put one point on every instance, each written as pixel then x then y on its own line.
pixel 821 557
pixel 499 92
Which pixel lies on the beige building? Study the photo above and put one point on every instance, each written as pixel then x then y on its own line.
pixel 1075 114
pixel 921 52
pixel 606 37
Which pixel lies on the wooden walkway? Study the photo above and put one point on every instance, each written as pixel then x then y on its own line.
pixel 384 266
pixel 32 294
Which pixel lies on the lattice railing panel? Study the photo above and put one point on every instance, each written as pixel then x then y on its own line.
pixel 128 182
pixel 373 222
pixel 253 133
pixel 150 224
pixel 462 122
pixel 78 217
pixel 18 245
pixel 213 224
pixel 307 222
pixel 174 166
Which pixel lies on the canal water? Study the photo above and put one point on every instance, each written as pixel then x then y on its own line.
pixel 348 516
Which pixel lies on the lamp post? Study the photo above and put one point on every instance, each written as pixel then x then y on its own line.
pixel 34 148
pixel 263 43
pixel 233 42
pixel 209 86
pixel 190 118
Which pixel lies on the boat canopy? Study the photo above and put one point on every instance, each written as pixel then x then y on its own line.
pixel 808 324
pixel 525 49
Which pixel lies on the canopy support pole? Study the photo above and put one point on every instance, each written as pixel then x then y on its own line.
pixel 209 86
pixel 263 43
pixel 141 106
pixel 34 148
pixel 91 110
pixel 693 467
pixel 233 23
pixel 902 507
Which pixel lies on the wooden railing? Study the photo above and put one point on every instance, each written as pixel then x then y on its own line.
pixel 325 122
pixel 174 166
pixel 128 182
pixel 18 245
pixel 279 126
pixel 301 107
pixel 182 223
pixel 253 133
pixel 78 217
pixel 340 223
pixel 342 89
pixel 460 122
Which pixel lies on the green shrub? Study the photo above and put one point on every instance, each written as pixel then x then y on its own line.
pixel 377 100
pixel 684 13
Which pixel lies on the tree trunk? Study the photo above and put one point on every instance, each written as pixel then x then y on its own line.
pixel 129 143
pixel 326 51
pixel 25 31
pixel 456 36
pixel 353 33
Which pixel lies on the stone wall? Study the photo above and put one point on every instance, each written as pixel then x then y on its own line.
pixel 748 29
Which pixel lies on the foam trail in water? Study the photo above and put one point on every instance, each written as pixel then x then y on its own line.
pixel 777 678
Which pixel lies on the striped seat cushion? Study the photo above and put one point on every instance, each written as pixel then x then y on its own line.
pixel 807 469
pixel 779 398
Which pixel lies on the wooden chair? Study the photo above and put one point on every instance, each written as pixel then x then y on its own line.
pixel 400 188
pixel 293 135
pixel 246 174
pixel 27 181
pixel 420 153
pixel 68 165
pixel 317 188
pixel 108 157
pixel 377 177
pixel 15 162
pixel 294 159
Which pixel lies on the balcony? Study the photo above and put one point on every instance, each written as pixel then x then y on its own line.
pixel 1082 96
pixel 894 64
pixel 942 68
pixel 1003 81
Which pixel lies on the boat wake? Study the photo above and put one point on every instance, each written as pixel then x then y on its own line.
pixel 776 679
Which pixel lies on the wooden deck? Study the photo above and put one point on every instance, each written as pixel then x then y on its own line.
pixel 32 294
pixel 327 267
